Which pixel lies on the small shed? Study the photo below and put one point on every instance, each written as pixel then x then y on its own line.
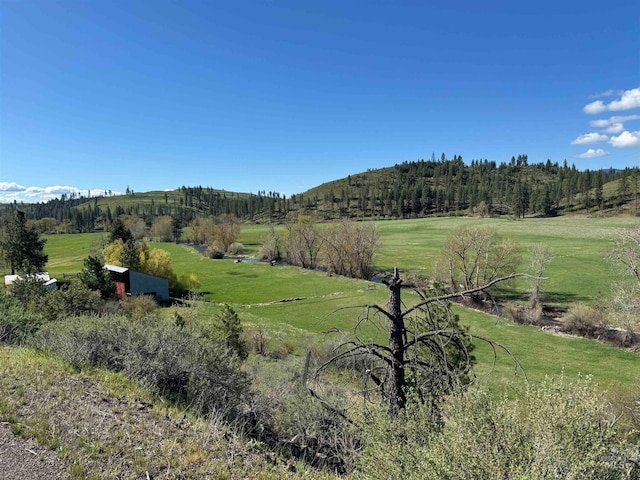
pixel 132 282
pixel 50 283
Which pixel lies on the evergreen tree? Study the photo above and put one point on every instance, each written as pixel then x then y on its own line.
pixel 22 247
pixel 130 257
pixel 95 277
pixel 120 231
pixel 231 331
pixel 623 183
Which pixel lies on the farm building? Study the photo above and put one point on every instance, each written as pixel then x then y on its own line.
pixel 50 283
pixel 132 282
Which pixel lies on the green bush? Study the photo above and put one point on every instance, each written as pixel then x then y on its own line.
pixel 397 447
pixel 70 301
pixel 292 421
pixel 187 363
pixel 29 291
pixel 139 307
pixel 315 433
pixel 16 322
pixel 556 430
pixel 230 331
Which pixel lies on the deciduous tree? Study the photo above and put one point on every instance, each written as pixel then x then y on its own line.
pixel 541 255
pixel 271 245
pixel 303 242
pixel 625 254
pixel 162 229
pixel 348 248
pixel 476 256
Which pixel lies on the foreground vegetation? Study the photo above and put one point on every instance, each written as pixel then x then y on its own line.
pixel 106 426
pixel 269 406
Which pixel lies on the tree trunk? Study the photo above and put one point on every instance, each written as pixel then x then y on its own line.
pixel 396 382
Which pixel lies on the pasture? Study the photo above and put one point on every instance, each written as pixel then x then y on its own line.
pixel 294 306
pixel 579 272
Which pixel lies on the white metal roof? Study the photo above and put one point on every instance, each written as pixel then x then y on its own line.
pixel 9 279
pixel 115 268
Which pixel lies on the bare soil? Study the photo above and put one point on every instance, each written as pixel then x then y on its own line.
pixel 26 459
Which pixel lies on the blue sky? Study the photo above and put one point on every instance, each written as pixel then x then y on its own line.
pixel 282 96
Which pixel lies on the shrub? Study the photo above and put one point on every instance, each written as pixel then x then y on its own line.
pixel 139 307
pixel 294 422
pixel 214 252
pixel 73 300
pixel 525 315
pixel 29 291
pixel 311 431
pixel 259 341
pixel 396 448
pixel 187 283
pixel 16 322
pixel 556 430
pixel 235 249
pixel 584 321
pixel 186 363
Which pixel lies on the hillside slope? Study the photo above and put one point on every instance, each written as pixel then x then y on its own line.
pixel 406 190
pixel 102 425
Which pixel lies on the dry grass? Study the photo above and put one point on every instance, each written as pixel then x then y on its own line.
pixel 106 426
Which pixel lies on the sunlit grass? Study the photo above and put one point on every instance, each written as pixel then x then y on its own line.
pixel 296 306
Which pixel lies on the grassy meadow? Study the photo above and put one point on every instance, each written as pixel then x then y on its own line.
pixel 294 306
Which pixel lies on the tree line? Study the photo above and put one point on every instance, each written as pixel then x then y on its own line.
pixel 410 189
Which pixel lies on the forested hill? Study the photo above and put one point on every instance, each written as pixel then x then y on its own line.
pixel 409 189
pixel 444 187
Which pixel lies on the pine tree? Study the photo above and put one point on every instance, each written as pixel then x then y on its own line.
pixel 95 277
pixel 22 247
pixel 120 231
pixel 130 257
pixel 231 331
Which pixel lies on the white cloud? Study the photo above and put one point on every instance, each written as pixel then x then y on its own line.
pixel 607 122
pixel 629 99
pixel 592 153
pixel 11 191
pixel 11 187
pixel 626 139
pixel 608 93
pixel 595 107
pixel 590 138
pixel 615 128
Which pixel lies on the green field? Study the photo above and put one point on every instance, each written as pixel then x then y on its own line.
pixel 68 251
pixel 578 273
pixel 294 305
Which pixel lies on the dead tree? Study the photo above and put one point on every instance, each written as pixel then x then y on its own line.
pixel 427 352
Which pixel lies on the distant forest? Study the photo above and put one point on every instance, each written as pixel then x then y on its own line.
pixel 421 188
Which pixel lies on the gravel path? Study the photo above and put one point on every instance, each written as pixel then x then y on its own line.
pixel 22 459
